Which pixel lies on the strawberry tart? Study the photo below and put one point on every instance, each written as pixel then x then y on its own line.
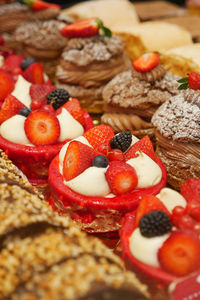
pixel 132 97
pixel 177 129
pixel 91 58
pixel 161 239
pixel 100 176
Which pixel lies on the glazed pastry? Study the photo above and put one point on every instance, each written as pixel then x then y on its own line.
pixel 176 125
pixel 106 179
pixel 132 97
pixel 161 239
pixel 44 256
pixel 152 36
pixel 88 62
pixel 182 60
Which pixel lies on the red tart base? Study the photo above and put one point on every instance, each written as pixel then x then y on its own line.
pixel 96 214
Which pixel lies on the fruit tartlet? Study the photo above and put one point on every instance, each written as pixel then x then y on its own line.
pixel 132 97
pixel 35 126
pixel 91 58
pixel 177 128
pixel 160 239
pixel 100 176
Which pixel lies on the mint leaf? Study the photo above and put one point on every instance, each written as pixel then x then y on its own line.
pixel 183 86
pixel 183 80
pixel 105 31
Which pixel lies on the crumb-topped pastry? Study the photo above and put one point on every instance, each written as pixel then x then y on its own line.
pixel 177 133
pixel 88 62
pixel 132 97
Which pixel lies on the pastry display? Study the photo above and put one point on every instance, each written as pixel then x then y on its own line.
pixel 100 176
pixel 153 10
pixel 132 97
pixel 182 60
pixel 45 256
pixel 161 239
pixel 177 132
pixel 89 61
pixel 152 36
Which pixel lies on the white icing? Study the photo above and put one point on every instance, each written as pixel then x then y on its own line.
pixel 69 127
pixel 92 182
pixel 13 130
pixel 1 60
pixel 171 198
pixel 134 140
pixel 21 91
pixel 148 172
pixel 146 249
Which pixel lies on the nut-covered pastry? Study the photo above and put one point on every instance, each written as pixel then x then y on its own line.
pixel 132 97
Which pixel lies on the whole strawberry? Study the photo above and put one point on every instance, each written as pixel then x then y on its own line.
pixel 192 82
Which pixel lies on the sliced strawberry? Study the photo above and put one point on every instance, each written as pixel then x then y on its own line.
pixel 40 5
pixel 144 145
pixel 74 108
pixel 10 107
pixel 78 157
pixel 146 62
pixel 83 28
pixel 121 177
pixel 41 91
pixel 42 128
pixel 34 73
pixel 190 189
pixel 6 85
pixel 148 204
pixel 12 62
pixel 101 134
pixel 194 81
pixel 180 253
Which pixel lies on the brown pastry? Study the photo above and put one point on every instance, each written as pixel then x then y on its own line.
pixel 132 97
pixel 177 135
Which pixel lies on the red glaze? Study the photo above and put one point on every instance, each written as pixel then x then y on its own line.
pixel 106 213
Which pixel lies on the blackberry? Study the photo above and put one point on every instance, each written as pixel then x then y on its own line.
pixel 57 98
pixel 100 161
pixel 27 62
pixel 121 141
pixel 25 111
pixel 155 223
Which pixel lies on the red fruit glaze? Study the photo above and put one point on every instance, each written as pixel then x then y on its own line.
pixel 99 135
pixel 10 107
pixel 144 145
pixel 83 28
pixel 190 189
pixel 194 81
pixel 179 255
pixel 34 73
pixel 42 128
pixel 116 154
pixel 6 85
pixel 146 62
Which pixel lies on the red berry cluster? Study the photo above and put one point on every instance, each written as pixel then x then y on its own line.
pixel 111 154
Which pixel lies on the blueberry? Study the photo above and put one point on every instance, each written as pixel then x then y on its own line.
pixel 100 161
pixel 27 62
pixel 25 111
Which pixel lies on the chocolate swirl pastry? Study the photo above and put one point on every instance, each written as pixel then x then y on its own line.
pixel 178 136
pixel 45 256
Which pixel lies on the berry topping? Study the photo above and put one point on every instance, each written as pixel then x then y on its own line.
pixel 27 62
pixel 1 41
pixel 180 253
pixel 57 98
pixel 116 154
pixel 101 134
pixel 42 128
pixel 6 85
pixel 155 223
pixel 121 141
pixel 74 108
pixel 78 157
pixel 148 204
pixel 103 148
pixel 85 28
pixel 121 177
pixel 191 189
pixel 192 82
pixel 25 111
pixel 100 161
pixel 39 93
pixel 48 108
pixel 12 62
pixel 10 107
pixel 34 73
pixel 144 145
pixel 146 62
pixel 40 5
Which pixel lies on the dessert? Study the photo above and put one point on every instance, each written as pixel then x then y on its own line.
pixel 152 36
pixel 132 97
pixel 36 121
pixel 89 61
pixel 45 256
pixel 193 6
pixel 182 60
pixel 176 125
pixel 161 239
pixel 100 176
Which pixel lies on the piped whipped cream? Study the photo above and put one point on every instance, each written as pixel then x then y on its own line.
pixel 171 198
pixel 146 249
pixel 148 172
pixel 22 91
pixel 1 60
